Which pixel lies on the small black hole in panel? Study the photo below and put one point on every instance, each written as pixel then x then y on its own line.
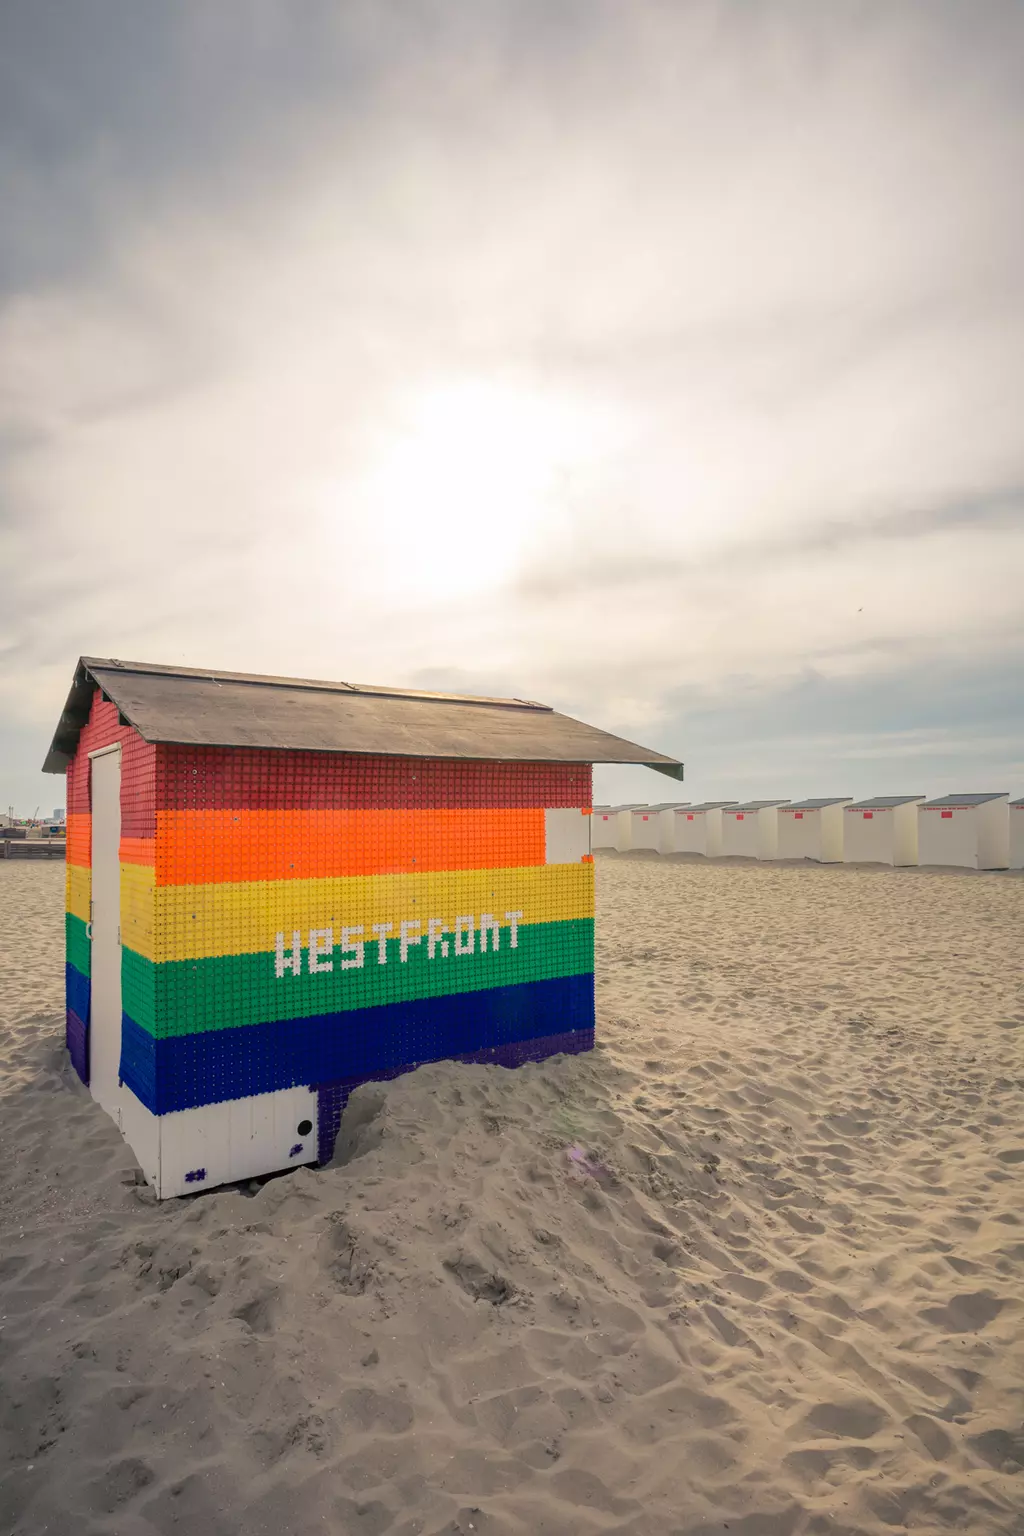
pixel 304 1127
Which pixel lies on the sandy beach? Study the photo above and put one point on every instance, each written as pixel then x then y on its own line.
pixel 756 1264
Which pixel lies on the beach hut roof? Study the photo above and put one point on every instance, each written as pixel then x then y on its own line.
pixel 884 802
pixel 710 805
pixel 664 805
pixel 1017 805
pixel 756 805
pixel 967 802
pixel 191 707
pixel 817 805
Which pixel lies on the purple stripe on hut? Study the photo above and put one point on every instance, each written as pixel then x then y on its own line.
pixel 76 1034
pixel 332 1097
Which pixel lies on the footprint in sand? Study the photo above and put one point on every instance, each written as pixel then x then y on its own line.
pixel 853 1418
pixel 966 1313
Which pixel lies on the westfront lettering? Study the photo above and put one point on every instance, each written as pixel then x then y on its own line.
pixel 347 952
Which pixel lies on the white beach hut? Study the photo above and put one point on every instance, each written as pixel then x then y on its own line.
pixel 1016 834
pixel 698 828
pixel 751 829
pixel 606 823
pixel 602 832
pixel 971 831
pixel 882 830
pixel 649 826
pixel 813 829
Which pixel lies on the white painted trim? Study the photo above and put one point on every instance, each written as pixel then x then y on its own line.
pixel 105 916
pixel 104 751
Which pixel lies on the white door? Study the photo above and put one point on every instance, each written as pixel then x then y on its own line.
pixel 105 1002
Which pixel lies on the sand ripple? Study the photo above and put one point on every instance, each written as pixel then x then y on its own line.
pixel 755 1264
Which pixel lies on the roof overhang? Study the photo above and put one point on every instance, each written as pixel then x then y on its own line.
pixel 189 707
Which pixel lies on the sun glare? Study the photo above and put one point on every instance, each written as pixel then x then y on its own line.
pixel 467 482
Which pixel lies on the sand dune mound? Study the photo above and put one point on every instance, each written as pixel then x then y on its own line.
pixel 755 1264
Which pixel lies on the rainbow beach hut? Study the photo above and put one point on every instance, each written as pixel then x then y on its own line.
pixel 280 888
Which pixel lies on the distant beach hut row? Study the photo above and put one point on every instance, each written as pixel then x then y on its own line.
pixel 970 831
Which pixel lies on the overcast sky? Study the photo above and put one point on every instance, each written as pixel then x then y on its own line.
pixel 661 361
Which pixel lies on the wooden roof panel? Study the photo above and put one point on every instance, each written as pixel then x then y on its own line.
pixel 194 708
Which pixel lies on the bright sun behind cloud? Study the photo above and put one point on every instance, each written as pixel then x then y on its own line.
pixel 464 481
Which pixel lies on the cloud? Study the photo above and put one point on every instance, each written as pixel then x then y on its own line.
pixel 1000 510
pixel 923 725
pixel 598 355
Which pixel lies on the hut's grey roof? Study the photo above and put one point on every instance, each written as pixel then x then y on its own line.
pixel 884 802
pixel 665 805
pixel 708 805
pixel 1017 805
pixel 967 802
pixel 755 805
pixel 612 810
pixel 236 709
pixel 816 805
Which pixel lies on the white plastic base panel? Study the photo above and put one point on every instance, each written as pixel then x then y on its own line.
pixel 194 1149
pixel 141 1130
